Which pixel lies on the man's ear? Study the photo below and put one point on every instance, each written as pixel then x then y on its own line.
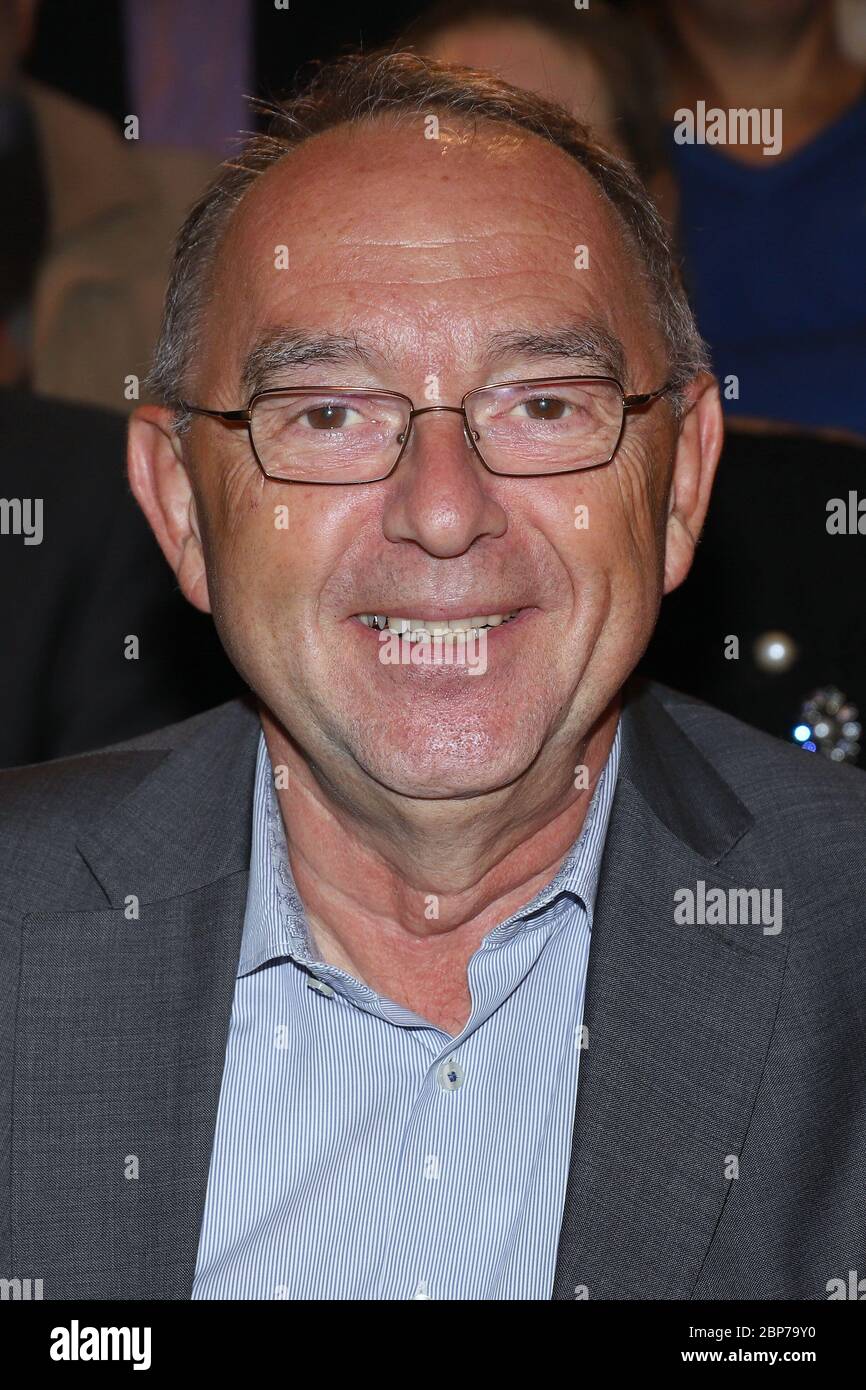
pixel 159 479
pixel 696 456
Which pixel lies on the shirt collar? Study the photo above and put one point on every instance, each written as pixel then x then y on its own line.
pixel 275 925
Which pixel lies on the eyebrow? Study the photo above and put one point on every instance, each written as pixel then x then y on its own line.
pixel 591 344
pixel 277 349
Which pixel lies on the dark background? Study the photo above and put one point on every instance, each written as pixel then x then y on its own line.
pixel 85 59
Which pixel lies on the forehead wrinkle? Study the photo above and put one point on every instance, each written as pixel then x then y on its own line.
pixel 507 240
pixel 504 257
pixel 459 236
pixel 492 276
pixel 507 237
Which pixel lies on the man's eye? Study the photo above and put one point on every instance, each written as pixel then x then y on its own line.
pixel 545 408
pixel 328 417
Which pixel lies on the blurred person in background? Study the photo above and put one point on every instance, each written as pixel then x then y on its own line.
pixel 851 24
pixel 188 69
pixel 97 645
pixel 85 240
pixel 773 251
pixel 594 62
pixel 773 242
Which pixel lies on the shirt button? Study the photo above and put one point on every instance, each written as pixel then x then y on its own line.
pixel 319 986
pixel 450 1075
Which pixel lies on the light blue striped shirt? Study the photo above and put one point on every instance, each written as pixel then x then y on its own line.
pixel 362 1152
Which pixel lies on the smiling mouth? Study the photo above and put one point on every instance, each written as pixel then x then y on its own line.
pixel 421 629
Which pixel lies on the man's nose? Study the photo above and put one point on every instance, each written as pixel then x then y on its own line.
pixel 442 494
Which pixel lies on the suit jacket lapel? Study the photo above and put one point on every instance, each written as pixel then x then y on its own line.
pixel 678 1023
pixel 128 1015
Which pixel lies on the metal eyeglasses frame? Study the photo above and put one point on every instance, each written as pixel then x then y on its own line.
pixel 243 418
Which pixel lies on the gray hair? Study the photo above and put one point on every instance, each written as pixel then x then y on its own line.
pixel 361 87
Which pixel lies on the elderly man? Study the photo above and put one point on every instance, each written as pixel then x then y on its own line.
pixel 450 965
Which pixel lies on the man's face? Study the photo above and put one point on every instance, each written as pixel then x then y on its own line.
pixel 424 251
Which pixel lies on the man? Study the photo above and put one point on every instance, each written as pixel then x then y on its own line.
pixel 299 986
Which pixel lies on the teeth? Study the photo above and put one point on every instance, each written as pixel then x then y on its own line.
pixel 416 628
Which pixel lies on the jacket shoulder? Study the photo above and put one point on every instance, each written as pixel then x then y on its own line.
pixel 768 774
pixel 45 807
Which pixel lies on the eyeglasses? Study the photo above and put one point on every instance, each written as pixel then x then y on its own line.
pixel 323 434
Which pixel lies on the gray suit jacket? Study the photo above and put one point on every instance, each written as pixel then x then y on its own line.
pixel 706 1043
